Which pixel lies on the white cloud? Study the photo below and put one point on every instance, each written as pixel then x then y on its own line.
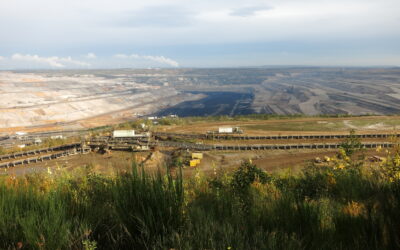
pixel 2 58
pixel 91 56
pixel 156 59
pixel 121 56
pixel 53 61
pixel 69 60
pixel 248 11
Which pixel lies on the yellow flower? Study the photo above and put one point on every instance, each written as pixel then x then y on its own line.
pixel 331 180
pixel 397 161
pixel 378 149
pixel 354 209
pixel 340 166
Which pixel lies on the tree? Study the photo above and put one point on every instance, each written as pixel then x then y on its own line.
pixel 352 144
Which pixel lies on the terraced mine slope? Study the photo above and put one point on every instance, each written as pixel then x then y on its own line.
pixel 68 99
pixel 77 99
pixel 294 91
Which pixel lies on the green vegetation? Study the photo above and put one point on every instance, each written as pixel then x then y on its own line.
pixel 338 204
pixel 329 125
pixel 388 121
pixel 189 120
pixel 252 117
pixel 299 126
pixel 297 122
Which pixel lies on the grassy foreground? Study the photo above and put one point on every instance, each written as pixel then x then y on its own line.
pixel 340 204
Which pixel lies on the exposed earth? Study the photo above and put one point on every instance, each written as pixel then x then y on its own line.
pixel 90 98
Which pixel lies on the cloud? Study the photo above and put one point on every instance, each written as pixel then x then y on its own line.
pixel 91 56
pixel 51 61
pixel 2 58
pixel 178 29
pixel 121 56
pixel 248 11
pixel 156 59
pixel 54 61
pixel 156 16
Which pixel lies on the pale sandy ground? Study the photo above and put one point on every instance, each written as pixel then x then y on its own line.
pixel 46 102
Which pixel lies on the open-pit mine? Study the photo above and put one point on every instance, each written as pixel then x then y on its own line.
pixel 75 99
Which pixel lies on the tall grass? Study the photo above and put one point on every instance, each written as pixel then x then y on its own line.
pixel 324 207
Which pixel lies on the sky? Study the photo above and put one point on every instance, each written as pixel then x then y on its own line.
pixel 63 34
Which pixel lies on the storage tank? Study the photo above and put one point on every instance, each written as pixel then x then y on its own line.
pixel 123 133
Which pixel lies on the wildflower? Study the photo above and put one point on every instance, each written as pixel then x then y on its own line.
pixel 340 166
pixel 331 180
pixel 214 168
pixel 378 149
pixel 342 153
pixel 354 209
pixel 197 177
pixel 397 160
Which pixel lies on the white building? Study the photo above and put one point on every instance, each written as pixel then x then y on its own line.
pixel 225 130
pixel 123 133
pixel 37 141
pixel 56 137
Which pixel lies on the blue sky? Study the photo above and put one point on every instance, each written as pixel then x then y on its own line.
pixel 198 33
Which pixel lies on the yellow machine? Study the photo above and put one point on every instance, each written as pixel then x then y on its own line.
pixel 197 155
pixel 196 159
pixel 193 163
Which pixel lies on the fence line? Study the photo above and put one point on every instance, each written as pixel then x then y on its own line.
pixel 47 157
pixel 270 137
pixel 206 147
pixel 38 151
